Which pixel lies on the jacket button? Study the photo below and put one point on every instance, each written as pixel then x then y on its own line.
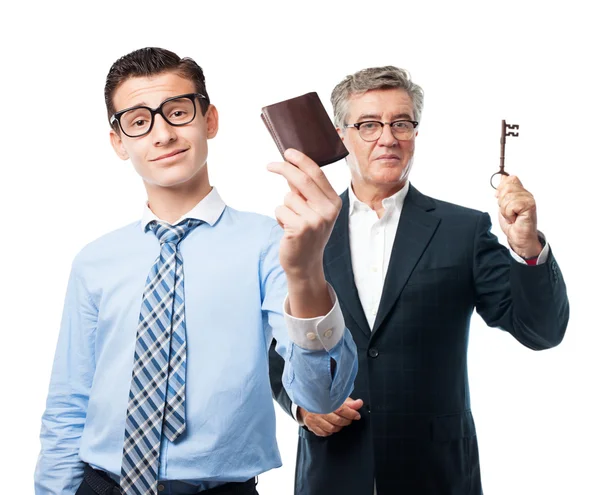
pixel 373 352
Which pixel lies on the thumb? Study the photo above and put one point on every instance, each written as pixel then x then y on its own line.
pixel 355 404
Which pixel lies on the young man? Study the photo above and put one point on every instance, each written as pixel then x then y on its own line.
pixel 160 381
pixel 418 269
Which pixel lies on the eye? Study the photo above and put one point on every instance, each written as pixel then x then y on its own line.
pixel 369 126
pixel 402 125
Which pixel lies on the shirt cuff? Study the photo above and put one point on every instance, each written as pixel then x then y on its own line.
pixel 319 333
pixel 542 257
pixel 294 411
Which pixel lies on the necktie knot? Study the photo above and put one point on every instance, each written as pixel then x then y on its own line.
pixel 172 234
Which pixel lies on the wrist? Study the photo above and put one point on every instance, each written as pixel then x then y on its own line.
pixel 309 297
pixel 530 251
pixel 306 280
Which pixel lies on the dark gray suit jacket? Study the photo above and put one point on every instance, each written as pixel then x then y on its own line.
pixel 417 434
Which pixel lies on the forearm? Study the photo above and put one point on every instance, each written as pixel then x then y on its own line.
pixel 308 380
pixel 540 309
pixel 59 469
pixel 321 362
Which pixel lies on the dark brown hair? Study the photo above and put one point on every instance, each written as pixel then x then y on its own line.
pixel 150 62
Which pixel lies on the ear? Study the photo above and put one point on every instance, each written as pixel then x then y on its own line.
pixel 117 144
pixel 212 121
pixel 341 132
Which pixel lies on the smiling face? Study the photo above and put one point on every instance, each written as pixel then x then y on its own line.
pixel 167 156
pixel 382 165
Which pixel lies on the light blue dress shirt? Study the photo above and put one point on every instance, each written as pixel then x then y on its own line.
pixel 235 290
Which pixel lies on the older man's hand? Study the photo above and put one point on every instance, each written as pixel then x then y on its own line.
pixel 518 217
pixel 324 425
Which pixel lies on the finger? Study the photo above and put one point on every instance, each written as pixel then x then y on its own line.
pixel 355 404
pixel 294 189
pixel 510 179
pixel 318 421
pixel 327 426
pixel 524 201
pixel 310 421
pixel 337 420
pixel 318 431
pixel 512 209
pixel 506 197
pixel 306 189
pixel 305 185
pixel 509 183
pixel 287 219
pixel 348 413
pixel 298 205
pixel 310 168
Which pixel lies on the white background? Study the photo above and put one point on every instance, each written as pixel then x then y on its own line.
pixel 534 64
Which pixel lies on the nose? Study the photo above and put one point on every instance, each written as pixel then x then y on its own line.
pixel 387 138
pixel 162 132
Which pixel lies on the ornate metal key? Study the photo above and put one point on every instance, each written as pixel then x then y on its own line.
pixel 512 131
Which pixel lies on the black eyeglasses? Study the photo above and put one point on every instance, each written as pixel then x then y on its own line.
pixel 371 130
pixel 138 121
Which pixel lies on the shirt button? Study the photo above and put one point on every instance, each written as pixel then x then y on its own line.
pixel 374 312
pixel 328 333
pixel 373 352
pixel 311 336
pixel 373 268
pixel 161 488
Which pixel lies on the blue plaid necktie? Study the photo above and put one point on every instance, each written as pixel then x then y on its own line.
pixel 157 394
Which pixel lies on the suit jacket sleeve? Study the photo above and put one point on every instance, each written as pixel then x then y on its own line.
pixel 530 302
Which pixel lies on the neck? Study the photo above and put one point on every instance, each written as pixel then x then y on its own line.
pixel 171 203
pixel 373 194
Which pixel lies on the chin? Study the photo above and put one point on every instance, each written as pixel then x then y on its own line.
pixel 168 180
pixel 172 176
pixel 391 177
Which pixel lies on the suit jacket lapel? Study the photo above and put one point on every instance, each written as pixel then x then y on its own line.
pixel 338 268
pixel 415 230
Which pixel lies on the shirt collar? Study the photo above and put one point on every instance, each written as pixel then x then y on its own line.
pixel 396 200
pixel 209 210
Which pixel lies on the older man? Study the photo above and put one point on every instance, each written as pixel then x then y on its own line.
pixel 409 270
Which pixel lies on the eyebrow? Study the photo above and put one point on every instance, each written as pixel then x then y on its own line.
pixel 135 107
pixel 143 104
pixel 375 116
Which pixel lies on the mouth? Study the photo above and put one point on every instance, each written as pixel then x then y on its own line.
pixel 168 155
pixel 388 157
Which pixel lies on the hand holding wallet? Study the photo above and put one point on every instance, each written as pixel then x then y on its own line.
pixel 302 123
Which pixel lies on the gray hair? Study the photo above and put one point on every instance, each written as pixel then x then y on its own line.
pixel 388 77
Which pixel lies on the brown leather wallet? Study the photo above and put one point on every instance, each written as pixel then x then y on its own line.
pixel 302 123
